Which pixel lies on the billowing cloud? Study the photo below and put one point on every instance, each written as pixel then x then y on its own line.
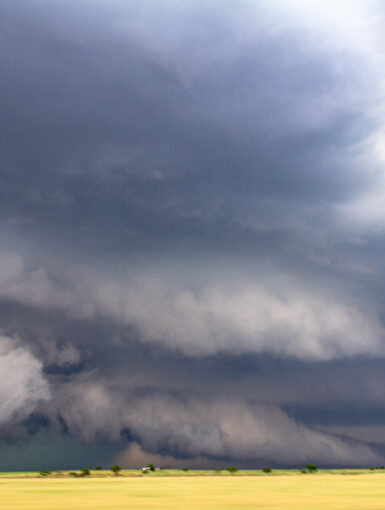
pixel 23 384
pixel 246 319
pixel 203 428
pixel 227 318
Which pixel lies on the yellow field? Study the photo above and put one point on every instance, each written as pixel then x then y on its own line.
pixel 294 491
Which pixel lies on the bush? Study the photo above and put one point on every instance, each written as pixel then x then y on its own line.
pixel 151 467
pixel 232 469
pixel 45 473
pixel 85 472
pixel 98 468
pixel 73 473
pixel 115 469
pixel 185 470
pixel 267 470
pixel 304 471
pixel 311 468
pixel 219 470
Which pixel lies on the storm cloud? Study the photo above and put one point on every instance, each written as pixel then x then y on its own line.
pixel 192 230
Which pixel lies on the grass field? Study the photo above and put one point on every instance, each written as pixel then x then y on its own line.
pixel 286 490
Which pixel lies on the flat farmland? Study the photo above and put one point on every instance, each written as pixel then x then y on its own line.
pixel 280 491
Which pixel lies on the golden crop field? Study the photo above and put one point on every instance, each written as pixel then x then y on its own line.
pixel 282 491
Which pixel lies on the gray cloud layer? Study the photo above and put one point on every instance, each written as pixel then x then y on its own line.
pixel 226 316
pixel 192 227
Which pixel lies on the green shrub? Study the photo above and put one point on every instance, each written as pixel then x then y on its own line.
pixel 98 468
pixel 73 473
pixel 311 468
pixel 45 473
pixel 185 470
pixel 304 471
pixel 115 469
pixel 232 469
pixel 267 470
pixel 85 472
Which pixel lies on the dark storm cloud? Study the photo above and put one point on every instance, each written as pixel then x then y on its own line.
pixel 192 227
pixel 103 127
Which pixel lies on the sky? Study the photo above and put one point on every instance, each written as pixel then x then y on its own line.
pixel 192 231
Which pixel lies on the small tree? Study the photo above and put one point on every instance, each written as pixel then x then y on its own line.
pixel 44 473
pixel 85 472
pixel 185 470
pixel 98 468
pixel 151 467
pixel 232 469
pixel 267 470
pixel 311 468
pixel 115 469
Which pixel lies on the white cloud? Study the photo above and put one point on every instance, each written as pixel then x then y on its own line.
pixel 244 318
pixel 22 382
pixel 350 24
